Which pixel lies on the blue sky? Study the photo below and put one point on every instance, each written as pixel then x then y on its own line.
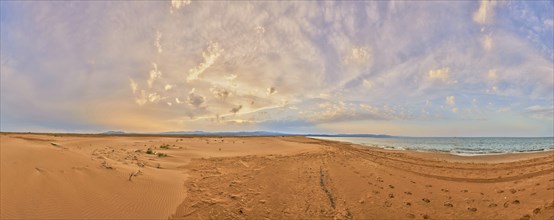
pixel 451 68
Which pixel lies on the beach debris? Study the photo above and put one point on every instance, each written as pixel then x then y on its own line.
pixel 136 173
pixel 107 165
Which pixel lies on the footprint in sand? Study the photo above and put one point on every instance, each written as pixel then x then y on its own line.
pixel 426 216
pixel 506 204
pixel 536 211
pixel 472 209
pixel 448 204
pixel 391 186
pixel 515 202
pixel 525 217
pixel 444 190
pixel 410 215
pixel 513 191
pixel 388 204
pixel 426 200
pixel 408 204
pixel 500 191
pixel 428 185
pixel 408 193
pixel 391 195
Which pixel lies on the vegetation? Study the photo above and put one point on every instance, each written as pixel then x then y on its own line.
pixel 162 155
pixel 149 151
pixel 164 146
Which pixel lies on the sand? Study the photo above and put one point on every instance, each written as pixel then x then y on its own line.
pixel 104 176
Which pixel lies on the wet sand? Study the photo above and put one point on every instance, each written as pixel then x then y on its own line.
pixel 103 176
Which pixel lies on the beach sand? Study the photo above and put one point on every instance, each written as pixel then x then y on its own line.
pixel 105 176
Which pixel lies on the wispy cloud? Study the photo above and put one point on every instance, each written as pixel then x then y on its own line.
pixel 256 65
pixel 210 56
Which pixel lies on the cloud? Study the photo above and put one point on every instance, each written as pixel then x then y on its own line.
pixel 154 74
pixel 367 84
pixel 541 112
pixel 154 97
pixel 492 74
pixel 450 101
pixel 439 74
pixel 236 109
pixel 142 99
pixel 271 90
pixel 484 13
pixel 220 92
pixel 359 55
pixel 176 4
pixel 195 99
pixel 133 85
pixel 157 42
pixel 487 42
pixel 210 56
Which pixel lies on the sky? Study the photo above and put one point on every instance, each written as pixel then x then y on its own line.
pixel 437 68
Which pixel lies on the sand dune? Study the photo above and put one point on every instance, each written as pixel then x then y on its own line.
pixel 99 176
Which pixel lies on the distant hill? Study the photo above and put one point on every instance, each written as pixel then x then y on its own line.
pixel 238 133
pixel 252 133
pixel 113 132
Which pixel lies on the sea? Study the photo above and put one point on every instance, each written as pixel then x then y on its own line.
pixel 464 146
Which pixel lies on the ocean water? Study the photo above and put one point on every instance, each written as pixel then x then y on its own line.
pixel 466 146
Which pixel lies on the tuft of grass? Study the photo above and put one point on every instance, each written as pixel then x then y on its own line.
pixel 164 146
pixel 162 155
pixel 149 151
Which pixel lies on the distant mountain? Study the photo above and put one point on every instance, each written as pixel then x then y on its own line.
pixel 238 133
pixel 252 133
pixel 113 132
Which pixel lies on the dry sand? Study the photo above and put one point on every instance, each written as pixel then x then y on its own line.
pixel 87 176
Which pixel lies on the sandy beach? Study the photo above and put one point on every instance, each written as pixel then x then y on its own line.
pixel 67 176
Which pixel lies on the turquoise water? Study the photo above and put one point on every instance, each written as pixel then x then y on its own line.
pixel 467 146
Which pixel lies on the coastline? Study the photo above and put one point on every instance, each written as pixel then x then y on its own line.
pixel 457 152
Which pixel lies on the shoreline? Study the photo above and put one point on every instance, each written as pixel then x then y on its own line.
pixel 400 149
